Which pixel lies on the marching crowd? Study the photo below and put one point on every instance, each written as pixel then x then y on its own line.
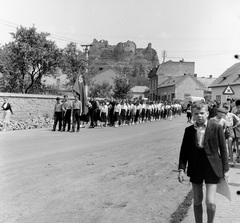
pixel 69 116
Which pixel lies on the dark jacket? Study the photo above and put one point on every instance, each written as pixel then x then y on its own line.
pixel 214 146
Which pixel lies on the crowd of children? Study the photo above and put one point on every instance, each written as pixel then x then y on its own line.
pixel 129 112
pixel 111 112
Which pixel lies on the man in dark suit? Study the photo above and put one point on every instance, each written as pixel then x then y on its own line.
pixel 204 154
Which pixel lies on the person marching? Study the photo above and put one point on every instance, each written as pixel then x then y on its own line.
pixel 203 152
pixel 232 122
pixel 189 113
pixel 104 114
pixel 236 111
pixel 57 115
pixel 220 118
pixel 7 111
pixel 76 113
pixel 67 109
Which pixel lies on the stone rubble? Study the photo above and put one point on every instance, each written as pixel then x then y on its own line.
pixel 36 122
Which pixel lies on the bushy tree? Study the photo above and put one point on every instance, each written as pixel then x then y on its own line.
pixel 121 87
pixel 73 61
pixel 102 90
pixel 28 58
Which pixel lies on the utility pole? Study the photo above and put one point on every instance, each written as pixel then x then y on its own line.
pixel 164 55
pixel 86 50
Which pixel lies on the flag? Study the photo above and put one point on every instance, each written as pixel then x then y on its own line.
pixel 79 89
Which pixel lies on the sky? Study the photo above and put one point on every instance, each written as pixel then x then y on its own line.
pixel 206 32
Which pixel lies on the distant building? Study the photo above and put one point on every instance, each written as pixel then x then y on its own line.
pixel 162 75
pixel 60 81
pixel 152 75
pixel 206 82
pixel 138 91
pixel 180 87
pixel 230 80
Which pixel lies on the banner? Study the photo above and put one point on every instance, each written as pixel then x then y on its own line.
pixel 79 89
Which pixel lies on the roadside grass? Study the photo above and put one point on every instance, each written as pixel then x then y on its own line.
pixel 182 210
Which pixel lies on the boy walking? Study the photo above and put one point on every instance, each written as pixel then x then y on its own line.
pixel 203 152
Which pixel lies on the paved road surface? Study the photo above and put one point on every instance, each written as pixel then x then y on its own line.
pixel 125 174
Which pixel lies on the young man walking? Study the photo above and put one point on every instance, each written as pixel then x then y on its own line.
pixel 57 115
pixel 76 113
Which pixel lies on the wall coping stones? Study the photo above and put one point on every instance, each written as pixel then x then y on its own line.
pixel 40 96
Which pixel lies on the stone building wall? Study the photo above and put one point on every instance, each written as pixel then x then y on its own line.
pixel 176 69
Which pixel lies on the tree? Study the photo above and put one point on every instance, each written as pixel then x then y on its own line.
pixel 28 58
pixel 121 87
pixel 102 90
pixel 73 62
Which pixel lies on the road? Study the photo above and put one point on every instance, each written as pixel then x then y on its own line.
pixel 121 175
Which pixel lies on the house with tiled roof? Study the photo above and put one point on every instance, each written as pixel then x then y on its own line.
pixel 229 79
pixel 138 91
pixel 180 87
pixel 152 75
pixel 166 71
pixel 206 82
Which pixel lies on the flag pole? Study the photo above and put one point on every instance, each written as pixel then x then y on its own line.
pixel 86 50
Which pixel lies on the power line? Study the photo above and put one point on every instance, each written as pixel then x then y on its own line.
pixel 53 36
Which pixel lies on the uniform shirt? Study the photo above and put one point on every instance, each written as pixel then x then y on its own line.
pixel 104 109
pixel 77 104
pixel 231 119
pixel 117 108
pixel 124 106
pixel 67 105
pixel 58 107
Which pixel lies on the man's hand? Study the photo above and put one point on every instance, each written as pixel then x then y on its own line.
pixel 226 175
pixel 181 176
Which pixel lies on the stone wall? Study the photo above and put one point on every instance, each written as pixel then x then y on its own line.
pixel 30 110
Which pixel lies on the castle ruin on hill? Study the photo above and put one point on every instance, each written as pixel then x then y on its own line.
pixel 123 56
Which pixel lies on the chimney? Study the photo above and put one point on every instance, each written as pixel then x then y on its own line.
pixel 210 76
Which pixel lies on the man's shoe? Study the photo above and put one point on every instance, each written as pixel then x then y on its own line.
pixel 77 130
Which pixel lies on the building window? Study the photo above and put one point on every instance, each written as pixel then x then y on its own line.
pixel 218 97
